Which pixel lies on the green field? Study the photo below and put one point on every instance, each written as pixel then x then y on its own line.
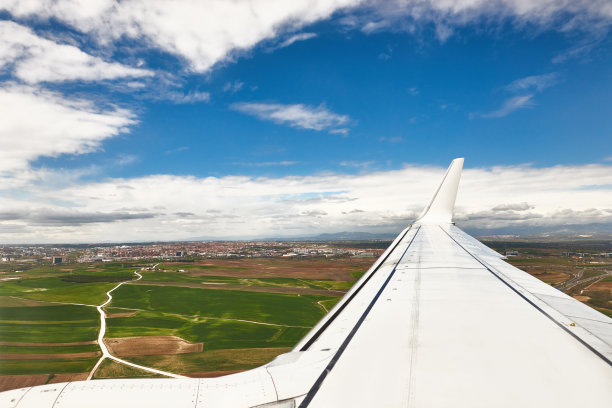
pixel 46 366
pixel 284 309
pixel 215 360
pixel 155 276
pixel 49 349
pixel 59 288
pixel 239 329
pixel 48 324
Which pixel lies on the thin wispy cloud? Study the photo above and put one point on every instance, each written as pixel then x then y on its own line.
pixel 233 87
pixel 297 115
pixel 177 150
pixel 534 83
pixel 580 51
pixel 524 90
pixel 340 131
pixel 295 38
pixel 356 163
pixel 410 16
pixel 267 164
pixel 183 98
pixel 510 105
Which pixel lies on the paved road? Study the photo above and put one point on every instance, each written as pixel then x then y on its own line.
pixel 107 354
pixel 578 280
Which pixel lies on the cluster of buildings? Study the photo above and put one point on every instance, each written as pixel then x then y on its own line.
pixel 179 251
pixel 588 254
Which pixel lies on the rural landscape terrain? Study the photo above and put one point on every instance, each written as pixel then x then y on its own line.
pixel 204 316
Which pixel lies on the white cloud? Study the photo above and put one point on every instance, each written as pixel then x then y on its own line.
pixel 295 38
pixel 35 59
pixel 233 87
pixel 513 207
pixel 202 32
pixel 510 105
pixel 39 123
pixel 340 131
pixel 181 98
pixel 177 150
pixel 358 164
pixel 267 164
pixel 205 33
pixel 585 15
pixel 524 90
pixel 535 83
pixel 246 207
pixel 298 115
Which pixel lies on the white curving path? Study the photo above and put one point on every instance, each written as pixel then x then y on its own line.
pixel 107 354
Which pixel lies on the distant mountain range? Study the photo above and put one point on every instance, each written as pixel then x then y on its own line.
pixel 341 236
pixel 591 231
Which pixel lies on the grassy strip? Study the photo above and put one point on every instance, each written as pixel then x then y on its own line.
pixel 329 303
pixel 49 313
pixel 49 350
pixel 112 369
pixel 48 333
pixel 11 367
pixel 208 361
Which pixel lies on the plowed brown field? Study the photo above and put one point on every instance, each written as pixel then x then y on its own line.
pixel 151 345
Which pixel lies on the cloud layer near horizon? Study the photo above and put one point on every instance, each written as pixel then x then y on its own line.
pixel 164 207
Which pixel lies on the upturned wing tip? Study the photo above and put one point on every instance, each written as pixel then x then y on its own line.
pixel 440 209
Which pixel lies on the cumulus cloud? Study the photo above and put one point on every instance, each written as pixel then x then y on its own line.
pixel 298 115
pixel 202 32
pixel 38 123
pixel 35 59
pixel 205 33
pixel 251 207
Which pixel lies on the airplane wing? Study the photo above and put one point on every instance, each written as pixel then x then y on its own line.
pixel 439 320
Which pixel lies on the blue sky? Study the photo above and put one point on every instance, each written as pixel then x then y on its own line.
pixel 294 103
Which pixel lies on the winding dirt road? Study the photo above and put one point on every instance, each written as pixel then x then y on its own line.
pixel 106 353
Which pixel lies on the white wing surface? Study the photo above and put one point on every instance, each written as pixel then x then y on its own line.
pixel 440 320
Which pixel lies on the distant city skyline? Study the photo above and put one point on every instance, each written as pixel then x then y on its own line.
pixel 141 121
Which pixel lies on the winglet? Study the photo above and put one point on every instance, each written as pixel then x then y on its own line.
pixel 440 209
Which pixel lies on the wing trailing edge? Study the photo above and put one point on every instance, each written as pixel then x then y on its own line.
pixel 440 209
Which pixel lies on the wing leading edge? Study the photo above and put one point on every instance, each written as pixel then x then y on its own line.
pixel 438 320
